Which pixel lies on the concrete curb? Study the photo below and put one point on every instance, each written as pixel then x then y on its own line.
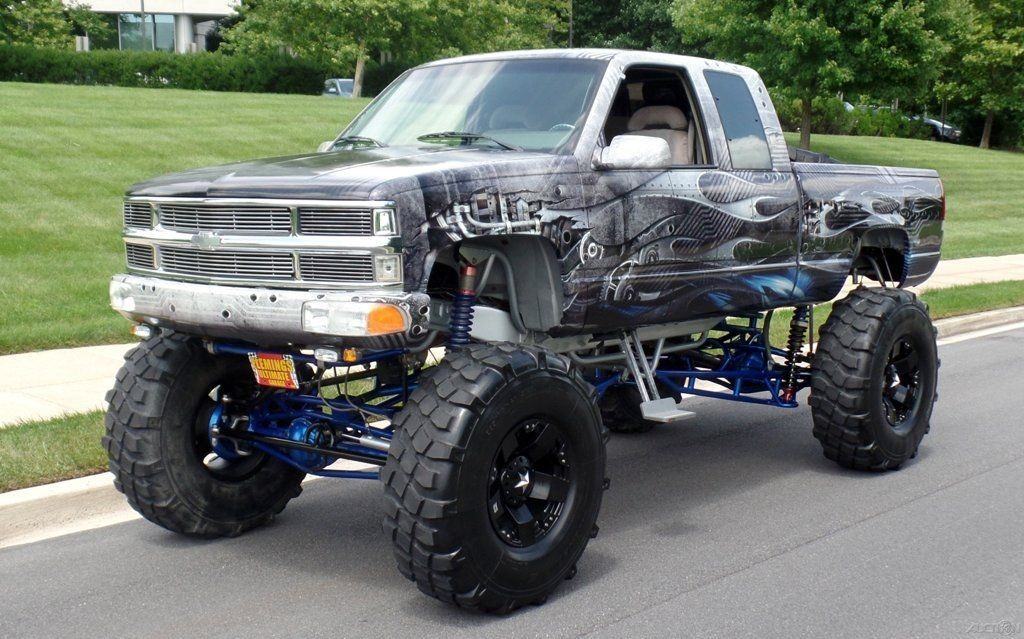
pixel 61 508
pixel 951 326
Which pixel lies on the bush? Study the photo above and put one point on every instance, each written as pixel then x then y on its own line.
pixel 278 73
pixel 831 117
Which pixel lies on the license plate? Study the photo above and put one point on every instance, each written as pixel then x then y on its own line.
pixel 272 369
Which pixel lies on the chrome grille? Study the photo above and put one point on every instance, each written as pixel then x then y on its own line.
pixel 138 215
pixel 336 268
pixel 139 255
pixel 335 221
pixel 240 218
pixel 269 265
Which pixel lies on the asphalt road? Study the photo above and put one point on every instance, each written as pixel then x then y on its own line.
pixel 729 525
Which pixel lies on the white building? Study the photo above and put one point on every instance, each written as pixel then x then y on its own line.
pixel 171 25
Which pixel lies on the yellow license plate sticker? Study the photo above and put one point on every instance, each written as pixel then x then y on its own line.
pixel 273 369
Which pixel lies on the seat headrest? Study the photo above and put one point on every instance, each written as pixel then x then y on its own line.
pixel 657 117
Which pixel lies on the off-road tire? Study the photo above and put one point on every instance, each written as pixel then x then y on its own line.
pixel 435 506
pixel 150 429
pixel 848 375
pixel 620 411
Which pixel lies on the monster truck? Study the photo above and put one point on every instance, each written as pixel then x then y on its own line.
pixel 500 259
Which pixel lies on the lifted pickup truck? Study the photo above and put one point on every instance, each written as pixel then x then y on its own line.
pixel 593 236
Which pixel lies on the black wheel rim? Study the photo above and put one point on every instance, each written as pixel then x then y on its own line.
pixel 530 481
pixel 225 401
pixel 901 393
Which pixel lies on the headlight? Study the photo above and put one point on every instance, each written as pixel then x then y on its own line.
pixel 121 298
pixel 384 222
pixel 387 269
pixel 353 319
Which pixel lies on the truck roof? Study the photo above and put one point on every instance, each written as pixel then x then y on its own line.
pixel 624 56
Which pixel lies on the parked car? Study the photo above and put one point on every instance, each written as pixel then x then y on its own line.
pixel 591 235
pixel 338 87
pixel 941 132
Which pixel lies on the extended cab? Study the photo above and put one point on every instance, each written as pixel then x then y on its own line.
pixel 594 235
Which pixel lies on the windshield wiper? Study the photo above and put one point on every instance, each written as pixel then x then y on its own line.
pixel 467 136
pixel 359 139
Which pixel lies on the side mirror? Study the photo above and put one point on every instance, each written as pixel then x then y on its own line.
pixel 325 146
pixel 635 152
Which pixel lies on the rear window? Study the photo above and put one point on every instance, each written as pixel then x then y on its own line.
pixel 743 128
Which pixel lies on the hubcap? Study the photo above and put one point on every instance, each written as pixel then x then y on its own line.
pixel 902 385
pixel 529 483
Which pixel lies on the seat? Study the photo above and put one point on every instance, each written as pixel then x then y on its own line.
pixel 668 123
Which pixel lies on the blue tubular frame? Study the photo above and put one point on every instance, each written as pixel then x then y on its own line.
pixel 275 414
pixel 745 367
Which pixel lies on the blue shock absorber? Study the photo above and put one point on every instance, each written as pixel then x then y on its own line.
pixel 461 319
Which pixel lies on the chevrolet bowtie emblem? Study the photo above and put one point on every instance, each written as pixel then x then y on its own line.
pixel 206 240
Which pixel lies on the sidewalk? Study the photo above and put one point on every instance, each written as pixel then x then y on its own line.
pixel 47 384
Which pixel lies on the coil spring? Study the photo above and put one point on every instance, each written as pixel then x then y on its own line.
pixel 461 320
pixel 797 333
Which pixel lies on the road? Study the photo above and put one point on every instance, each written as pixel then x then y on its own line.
pixel 730 525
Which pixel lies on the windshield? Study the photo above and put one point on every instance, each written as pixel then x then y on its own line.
pixel 528 104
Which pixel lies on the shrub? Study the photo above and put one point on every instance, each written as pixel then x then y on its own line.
pixel 831 117
pixel 276 73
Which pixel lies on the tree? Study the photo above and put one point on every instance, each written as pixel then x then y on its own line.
pixel 644 25
pixel 336 32
pixel 343 33
pixel 40 23
pixel 811 48
pixel 47 23
pixel 990 74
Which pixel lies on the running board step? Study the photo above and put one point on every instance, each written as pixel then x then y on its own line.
pixel 664 410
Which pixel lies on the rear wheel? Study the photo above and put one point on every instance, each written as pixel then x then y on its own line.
pixel 158 442
pixel 874 379
pixel 620 410
pixel 495 477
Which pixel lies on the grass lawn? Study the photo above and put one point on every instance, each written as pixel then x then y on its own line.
pixel 943 302
pixel 984 188
pixel 67 153
pixel 41 452
pixel 47 451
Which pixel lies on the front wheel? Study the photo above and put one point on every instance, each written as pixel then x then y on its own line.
pixel 495 477
pixel 159 448
pixel 874 379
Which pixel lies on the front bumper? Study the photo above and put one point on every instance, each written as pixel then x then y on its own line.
pixel 255 314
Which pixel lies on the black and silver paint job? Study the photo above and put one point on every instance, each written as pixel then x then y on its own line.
pixel 634 246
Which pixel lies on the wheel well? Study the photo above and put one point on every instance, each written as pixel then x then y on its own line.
pixel 524 277
pixel 881 255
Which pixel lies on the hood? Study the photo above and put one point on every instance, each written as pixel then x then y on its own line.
pixel 362 174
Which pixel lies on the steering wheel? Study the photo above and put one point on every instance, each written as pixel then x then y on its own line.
pixel 563 126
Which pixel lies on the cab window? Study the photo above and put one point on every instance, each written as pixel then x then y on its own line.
pixel 744 130
pixel 658 102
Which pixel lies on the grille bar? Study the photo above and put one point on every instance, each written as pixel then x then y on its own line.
pixel 138 215
pixel 139 256
pixel 270 220
pixel 261 265
pixel 335 221
pixel 336 268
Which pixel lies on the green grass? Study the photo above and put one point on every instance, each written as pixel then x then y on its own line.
pixel 943 302
pixel 984 188
pixel 41 452
pixel 47 451
pixel 67 154
pixel 961 300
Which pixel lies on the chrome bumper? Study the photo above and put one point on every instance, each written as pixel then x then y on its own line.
pixel 254 314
